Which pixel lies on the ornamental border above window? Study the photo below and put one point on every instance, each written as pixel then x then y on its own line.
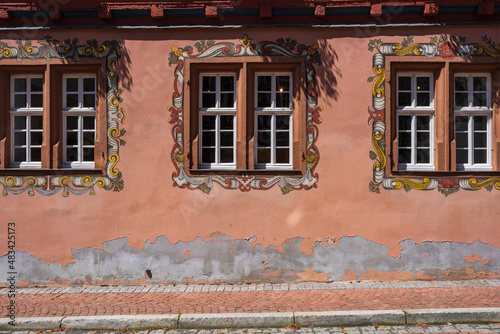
pixel 447 48
pixel 47 185
pixel 246 182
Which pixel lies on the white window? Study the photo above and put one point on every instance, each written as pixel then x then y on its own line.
pixel 79 120
pixel 218 121
pixel 26 110
pixel 472 96
pixel 415 121
pixel 273 120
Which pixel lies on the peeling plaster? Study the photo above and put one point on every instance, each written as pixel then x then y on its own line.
pixel 234 261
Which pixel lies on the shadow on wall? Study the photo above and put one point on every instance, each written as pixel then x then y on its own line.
pixel 328 82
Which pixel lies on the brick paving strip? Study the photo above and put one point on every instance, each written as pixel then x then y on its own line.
pixel 251 298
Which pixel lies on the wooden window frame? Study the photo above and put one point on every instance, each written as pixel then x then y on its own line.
pixel 52 145
pixel 444 71
pixel 245 69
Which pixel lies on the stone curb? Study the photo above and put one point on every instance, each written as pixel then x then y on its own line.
pixel 121 322
pixel 350 318
pixel 258 320
pixel 31 323
pixel 235 320
pixel 455 315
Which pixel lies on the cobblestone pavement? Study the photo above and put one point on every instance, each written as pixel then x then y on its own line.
pixel 251 298
pixel 434 329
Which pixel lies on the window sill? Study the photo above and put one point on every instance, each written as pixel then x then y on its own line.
pixel 47 171
pixel 445 174
pixel 263 172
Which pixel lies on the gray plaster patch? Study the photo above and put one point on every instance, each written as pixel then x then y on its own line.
pixel 226 260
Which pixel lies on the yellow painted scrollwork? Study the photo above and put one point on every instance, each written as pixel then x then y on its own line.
pixel 416 48
pixel 478 185
pixel 375 139
pixel 482 48
pixel 377 90
pixel 416 185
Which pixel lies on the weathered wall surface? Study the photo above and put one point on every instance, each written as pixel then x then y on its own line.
pixel 339 230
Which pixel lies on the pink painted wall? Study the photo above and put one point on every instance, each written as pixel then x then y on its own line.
pixel 149 206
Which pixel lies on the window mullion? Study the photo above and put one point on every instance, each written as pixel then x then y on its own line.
pixel 470 139
pixel 217 136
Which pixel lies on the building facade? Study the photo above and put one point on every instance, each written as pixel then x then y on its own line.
pixel 249 141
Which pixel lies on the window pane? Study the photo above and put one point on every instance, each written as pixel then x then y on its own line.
pixel 19 138
pixel 480 122
pixel 479 84
pixel 226 122
pixel 264 122
pixel 72 84
pixel 282 84
pixel 479 100
pixel 88 84
pixel 88 122
pixel 208 155
pixel 227 100
pixel 461 84
pixel 88 138
pixel 20 85
pixel 72 122
pixel 404 122
pixel 72 138
pixel 462 156
pixel 479 156
pixel 88 154
pixel 19 122
pixel 404 99
pixel 89 100
pixel 461 100
pixel 208 138
pixel 208 84
pixel 282 138
pixel 227 84
pixel 423 156
pixel 462 139
pixel 282 100
pixel 208 122
pixel 404 156
pixel 20 101
pixel 423 139
pixel 404 139
pixel 71 154
pixel 423 83
pixel 282 155
pixel 36 138
pixel 423 99
pixel 461 123
pixel 264 155
pixel 72 100
pixel 36 122
pixel 264 139
pixel 263 100
pixel 423 122
pixel 19 154
pixel 226 155
pixel 36 100
pixel 36 84
pixel 226 138
pixel 264 83
pixel 282 122
pixel 36 154
pixel 208 100
pixel 404 83
pixel 480 140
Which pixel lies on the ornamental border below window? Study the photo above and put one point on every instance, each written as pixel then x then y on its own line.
pixel 209 49
pixel 446 47
pixel 47 185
